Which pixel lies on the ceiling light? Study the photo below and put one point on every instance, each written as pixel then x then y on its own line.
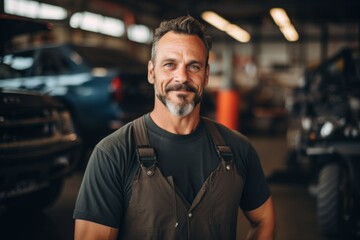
pixel 283 22
pixel 237 33
pixel 280 17
pixel 112 27
pixel 215 20
pixel 97 23
pixel 290 33
pixel 222 24
pixel 139 33
pixel 34 9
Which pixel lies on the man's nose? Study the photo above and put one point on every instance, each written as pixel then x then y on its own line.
pixel 181 74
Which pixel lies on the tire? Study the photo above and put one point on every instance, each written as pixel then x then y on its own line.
pixel 328 199
pixel 334 200
pixel 37 201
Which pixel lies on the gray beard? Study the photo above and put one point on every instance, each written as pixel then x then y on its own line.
pixel 182 109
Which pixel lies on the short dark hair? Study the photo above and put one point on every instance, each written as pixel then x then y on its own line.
pixel 184 25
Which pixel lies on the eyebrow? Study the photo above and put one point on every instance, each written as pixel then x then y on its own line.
pixel 168 60
pixel 189 63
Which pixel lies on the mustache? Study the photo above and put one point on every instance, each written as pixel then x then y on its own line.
pixel 180 86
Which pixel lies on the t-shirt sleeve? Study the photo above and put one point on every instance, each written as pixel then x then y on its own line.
pixel 255 191
pixel 100 196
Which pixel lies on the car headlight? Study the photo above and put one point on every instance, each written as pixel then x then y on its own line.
pixel 306 123
pixel 327 129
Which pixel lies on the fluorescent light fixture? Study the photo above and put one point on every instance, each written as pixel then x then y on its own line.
pixel 48 11
pixel 113 27
pixel 97 23
pixel 34 9
pixel 139 33
pixel 75 20
pixel 290 33
pixel 283 22
pixel 222 24
pixel 215 20
pixel 237 33
pixel 91 21
pixel 280 17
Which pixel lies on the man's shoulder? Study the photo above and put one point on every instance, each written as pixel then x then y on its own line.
pixel 120 138
pixel 228 133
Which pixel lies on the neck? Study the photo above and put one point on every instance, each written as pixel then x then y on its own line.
pixel 176 124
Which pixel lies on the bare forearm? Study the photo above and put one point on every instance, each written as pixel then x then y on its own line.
pixel 85 230
pixel 261 232
pixel 262 222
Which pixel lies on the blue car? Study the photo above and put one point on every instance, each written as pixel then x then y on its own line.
pixel 103 88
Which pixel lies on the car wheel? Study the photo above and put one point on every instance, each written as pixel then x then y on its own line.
pixel 334 200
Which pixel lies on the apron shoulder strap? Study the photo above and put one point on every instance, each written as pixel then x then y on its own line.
pixel 141 136
pixel 146 154
pixel 222 149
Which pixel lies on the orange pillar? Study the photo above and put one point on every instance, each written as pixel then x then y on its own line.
pixel 227 99
pixel 227 108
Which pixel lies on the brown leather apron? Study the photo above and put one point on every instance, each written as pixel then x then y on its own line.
pixel 158 211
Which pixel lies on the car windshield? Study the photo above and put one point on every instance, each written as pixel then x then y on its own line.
pixel 39 62
pixel 64 59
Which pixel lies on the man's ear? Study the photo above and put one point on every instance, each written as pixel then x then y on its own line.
pixel 151 74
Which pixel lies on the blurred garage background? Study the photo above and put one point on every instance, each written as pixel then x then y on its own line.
pixel 284 73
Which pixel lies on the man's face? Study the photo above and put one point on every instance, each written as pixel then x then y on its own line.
pixel 179 72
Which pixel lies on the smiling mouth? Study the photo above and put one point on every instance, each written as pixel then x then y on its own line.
pixel 182 91
pixel 182 88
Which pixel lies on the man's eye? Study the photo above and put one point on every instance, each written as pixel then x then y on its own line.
pixel 169 65
pixel 194 68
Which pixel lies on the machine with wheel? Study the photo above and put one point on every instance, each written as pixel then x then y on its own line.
pixel 329 140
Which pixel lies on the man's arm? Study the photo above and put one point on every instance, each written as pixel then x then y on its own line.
pixel 262 221
pixel 86 230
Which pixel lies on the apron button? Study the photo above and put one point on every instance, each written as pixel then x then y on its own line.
pixel 190 215
pixel 228 167
pixel 150 172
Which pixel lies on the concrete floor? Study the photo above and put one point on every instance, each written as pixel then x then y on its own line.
pixel 294 206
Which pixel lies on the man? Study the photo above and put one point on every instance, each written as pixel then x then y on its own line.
pixel 172 174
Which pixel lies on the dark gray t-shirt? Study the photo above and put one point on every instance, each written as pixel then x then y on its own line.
pixel 189 159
